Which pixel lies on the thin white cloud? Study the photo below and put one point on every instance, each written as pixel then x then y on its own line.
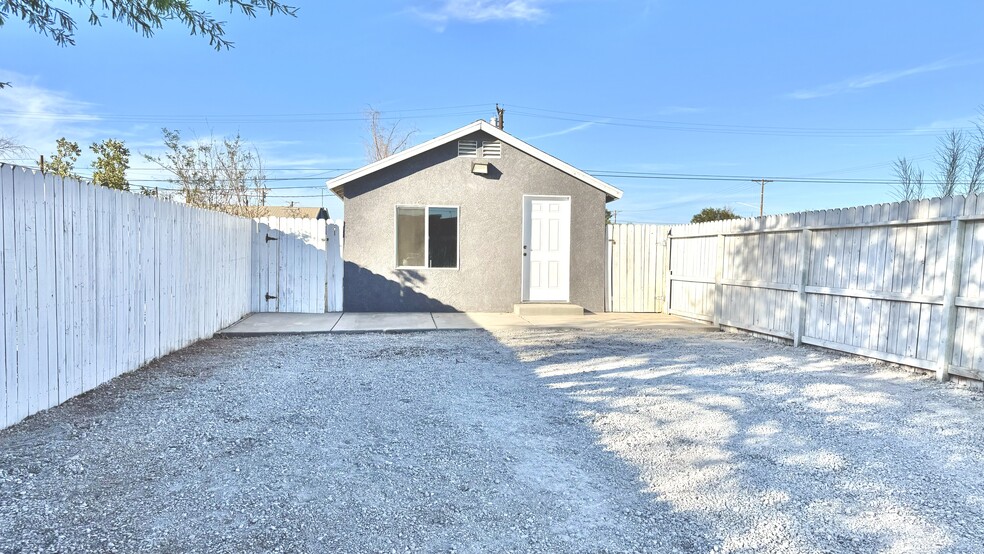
pixel 481 11
pixel 319 162
pixel 935 127
pixel 36 116
pixel 567 131
pixel 676 110
pixel 655 167
pixel 877 78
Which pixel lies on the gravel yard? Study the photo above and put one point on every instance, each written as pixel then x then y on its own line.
pixel 523 441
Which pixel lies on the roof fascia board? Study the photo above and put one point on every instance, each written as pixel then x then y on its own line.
pixel 337 182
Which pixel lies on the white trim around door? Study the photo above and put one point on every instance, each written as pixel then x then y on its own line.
pixel 546 248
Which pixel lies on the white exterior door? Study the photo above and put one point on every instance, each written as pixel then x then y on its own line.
pixel 546 248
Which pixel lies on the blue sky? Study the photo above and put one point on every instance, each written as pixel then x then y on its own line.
pixel 828 90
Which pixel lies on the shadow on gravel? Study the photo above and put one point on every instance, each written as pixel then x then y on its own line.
pixel 523 441
pixel 338 443
pixel 773 448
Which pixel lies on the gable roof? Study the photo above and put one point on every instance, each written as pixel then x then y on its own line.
pixel 336 183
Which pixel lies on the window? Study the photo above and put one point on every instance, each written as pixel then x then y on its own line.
pixel 426 237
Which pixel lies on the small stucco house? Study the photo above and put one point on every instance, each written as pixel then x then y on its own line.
pixel 474 220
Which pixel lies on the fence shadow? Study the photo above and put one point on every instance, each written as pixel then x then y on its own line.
pixel 296 263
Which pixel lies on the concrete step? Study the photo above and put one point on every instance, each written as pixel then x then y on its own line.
pixel 560 309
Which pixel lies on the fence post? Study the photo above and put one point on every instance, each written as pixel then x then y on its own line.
pixel 803 277
pixel 667 271
pixel 609 289
pixel 718 285
pixel 958 229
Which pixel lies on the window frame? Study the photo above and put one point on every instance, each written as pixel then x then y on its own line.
pixel 426 207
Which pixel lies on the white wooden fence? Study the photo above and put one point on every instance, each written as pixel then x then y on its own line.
pixel 98 282
pixel 901 282
pixel 297 265
pixel 636 266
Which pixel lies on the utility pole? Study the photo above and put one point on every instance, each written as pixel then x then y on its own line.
pixel 42 164
pixel 500 113
pixel 762 196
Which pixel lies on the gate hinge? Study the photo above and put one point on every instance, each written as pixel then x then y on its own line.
pixel 269 238
pixel 268 297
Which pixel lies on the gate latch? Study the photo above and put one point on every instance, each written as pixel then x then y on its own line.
pixel 269 238
pixel 268 297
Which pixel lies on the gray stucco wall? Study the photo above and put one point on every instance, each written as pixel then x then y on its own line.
pixel 489 273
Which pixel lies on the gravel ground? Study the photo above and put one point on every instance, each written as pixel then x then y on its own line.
pixel 526 441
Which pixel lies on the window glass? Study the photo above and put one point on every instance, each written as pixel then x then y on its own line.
pixel 443 243
pixel 410 237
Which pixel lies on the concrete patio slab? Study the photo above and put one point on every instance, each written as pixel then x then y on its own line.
pixel 352 322
pixel 620 321
pixel 260 324
pixel 447 321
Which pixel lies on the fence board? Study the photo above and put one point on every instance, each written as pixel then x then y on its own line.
pixel 8 297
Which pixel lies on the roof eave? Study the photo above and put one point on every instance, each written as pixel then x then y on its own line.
pixel 336 185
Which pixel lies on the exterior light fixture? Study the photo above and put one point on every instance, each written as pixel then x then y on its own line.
pixel 480 168
pixel 323 214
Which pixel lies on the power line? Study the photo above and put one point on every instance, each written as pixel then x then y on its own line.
pixel 725 178
pixel 474 109
pixel 616 174
pixel 736 131
pixel 450 111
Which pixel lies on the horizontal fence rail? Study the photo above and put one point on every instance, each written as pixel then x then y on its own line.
pixel 901 282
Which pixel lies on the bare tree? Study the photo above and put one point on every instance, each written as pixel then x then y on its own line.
pixel 10 147
pixel 975 159
pixel 959 164
pixel 225 176
pixel 384 141
pixel 910 178
pixel 949 162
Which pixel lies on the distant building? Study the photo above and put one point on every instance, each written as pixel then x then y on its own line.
pixel 293 211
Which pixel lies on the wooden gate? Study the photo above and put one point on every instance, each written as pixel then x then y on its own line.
pixel 297 265
pixel 637 265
